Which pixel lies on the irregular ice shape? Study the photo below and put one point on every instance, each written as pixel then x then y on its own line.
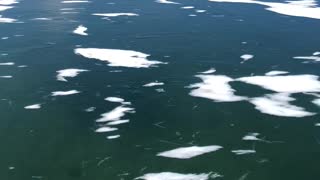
pixel 189 152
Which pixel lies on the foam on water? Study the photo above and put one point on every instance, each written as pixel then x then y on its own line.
pixel 285 84
pixel 156 83
pixel 63 74
pixel 189 152
pixel 242 152
pixel 118 58
pixel 304 8
pixel 34 106
pixel 115 14
pixel 215 87
pixel 173 176
pixel 274 73
pixel 81 30
pixel 279 105
pixel 64 93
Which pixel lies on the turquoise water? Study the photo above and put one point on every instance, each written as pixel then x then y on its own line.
pixel 58 140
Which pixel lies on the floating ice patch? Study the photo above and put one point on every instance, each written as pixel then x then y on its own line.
pixel 115 14
pixel 210 71
pixel 68 2
pixel 279 105
pixel 7 64
pixel 115 114
pixel 5 38
pixel 187 7
pixel 192 15
pixel 64 93
pixel 34 106
pixel 114 99
pixel 251 137
pixel 216 88
pixel 317 53
pixel 63 74
pixel 317 124
pixel 90 109
pixel 304 8
pixel 118 58
pixel 156 83
pixel 8 2
pixel 42 19
pixel 6 77
pixel 274 73
pixel 286 84
pixel 106 129
pixel 113 137
pixel 311 58
pixel 117 122
pixel 246 57
pixel 7 20
pixel 200 11
pixel 166 2
pixel 173 176
pixel 81 30
pixel 242 152
pixel 189 152
pixel 3 8
pixel 316 102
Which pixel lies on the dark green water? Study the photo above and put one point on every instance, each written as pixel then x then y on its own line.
pixel 59 140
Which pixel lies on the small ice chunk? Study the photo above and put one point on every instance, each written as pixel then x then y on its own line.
pixel 90 109
pixel 115 14
pixel 187 7
pixel 75 1
pixel 113 137
pixel 251 137
pixel 173 176
pixel 114 99
pixel 210 71
pixel 274 73
pixel 156 83
pixel 62 74
pixel 64 93
pixel 7 64
pixel 166 2
pixel 81 30
pixel 117 122
pixel 6 77
pixel 189 152
pixel 242 152
pixel 316 102
pixel 115 114
pixel 106 129
pixel 34 106
pixel 246 57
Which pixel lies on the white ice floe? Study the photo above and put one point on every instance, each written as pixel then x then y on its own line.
pixel 7 64
pixel 6 77
pixel 115 114
pixel 166 2
pixel 317 124
pixel 279 105
pixel 316 102
pixel 115 14
pixel 246 57
pixel 187 7
pixel 42 19
pixel 117 122
pixel 156 83
pixel 200 11
pixel 113 137
pixel 8 2
pixel 3 8
pixel 5 38
pixel 210 71
pixel 114 99
pixel 81 30
pixel 242 152
pixel 34 106
pixel 106 129
pixel 216 88
pixel 173 176
pixel 189 152
pixel 310 58
pixel 317 53
pixel 303 8
pixel 69 2
pixel 274 73
pixel 7 20
pixel 90 109
pixel 63 74
pixel 285 84
pixel 118 58
pixel 251 137
pixel 64 93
